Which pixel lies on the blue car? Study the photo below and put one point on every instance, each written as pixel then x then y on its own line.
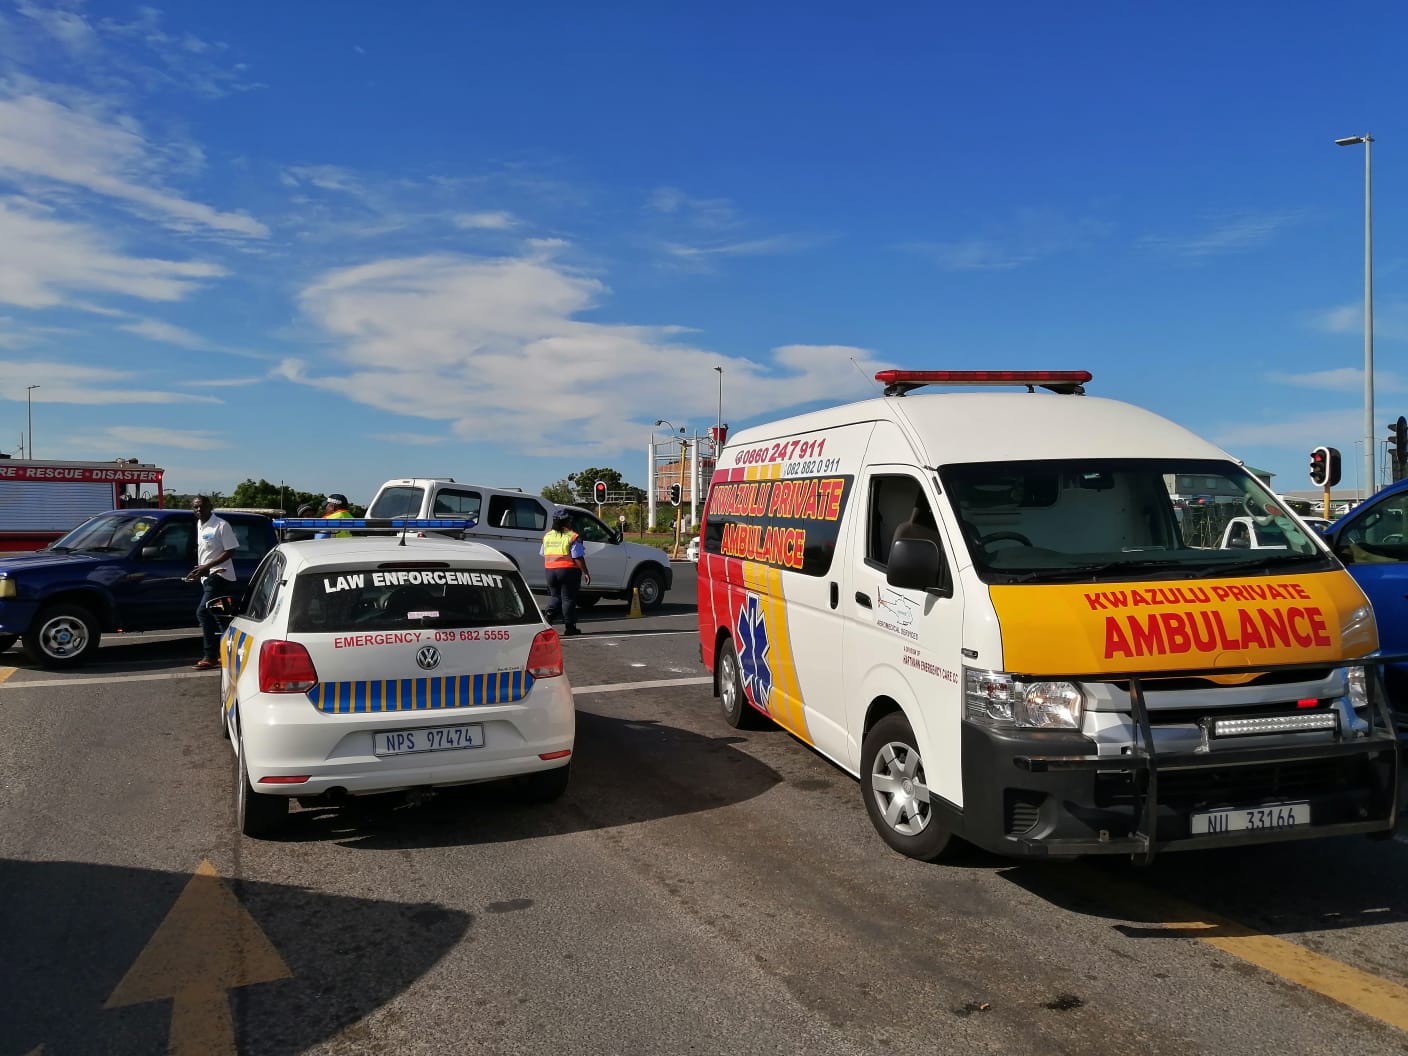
pixel 117 571
pixel 1372 541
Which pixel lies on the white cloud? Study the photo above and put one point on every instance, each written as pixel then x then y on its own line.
pixel 222 383
pixel 496 220
pixel 43 139
pixel 1339 379
pixel 1031 235
pixel 146 437
pixel 752 247
pixel 1338 428
pixel 155 330
pixel 80 384
pixel 710 214
pixel 43 260
pixel 1236 234
pixel 323 177
pixel 69 28
pixel 415 439
pixel 495 348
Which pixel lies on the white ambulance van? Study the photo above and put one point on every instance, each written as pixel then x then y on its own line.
pixel 982 605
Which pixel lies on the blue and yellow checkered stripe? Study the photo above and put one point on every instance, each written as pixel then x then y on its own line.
pixel 420 694
pixel 235 647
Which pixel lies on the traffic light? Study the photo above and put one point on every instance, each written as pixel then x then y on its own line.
pixel 675 494
pixel 1398 439
pixel 1320 466
pixel 599 489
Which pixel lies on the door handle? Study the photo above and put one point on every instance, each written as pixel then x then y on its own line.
pixel 835 594
pixel 862 599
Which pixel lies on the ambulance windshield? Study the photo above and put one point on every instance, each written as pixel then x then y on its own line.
pixel 1098 519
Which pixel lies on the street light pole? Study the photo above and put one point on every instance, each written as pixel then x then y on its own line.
pixel 29 400
pixel 1369 432
pixel 721 410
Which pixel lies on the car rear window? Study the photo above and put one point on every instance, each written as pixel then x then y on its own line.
pixel 401 501
pixel 388 597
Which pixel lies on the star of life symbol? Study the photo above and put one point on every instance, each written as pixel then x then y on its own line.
pixel 753 649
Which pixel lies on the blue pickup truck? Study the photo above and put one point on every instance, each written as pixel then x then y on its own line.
pixel 117 571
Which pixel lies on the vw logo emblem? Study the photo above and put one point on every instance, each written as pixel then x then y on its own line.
pixel 428 657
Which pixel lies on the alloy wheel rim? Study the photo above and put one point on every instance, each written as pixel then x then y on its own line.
pixel 900 791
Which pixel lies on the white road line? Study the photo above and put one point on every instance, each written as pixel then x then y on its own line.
pixel 655 683
pixel 105 680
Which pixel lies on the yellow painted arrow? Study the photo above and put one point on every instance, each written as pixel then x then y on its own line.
pixel 207 944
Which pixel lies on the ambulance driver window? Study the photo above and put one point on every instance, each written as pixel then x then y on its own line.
pixel 898 510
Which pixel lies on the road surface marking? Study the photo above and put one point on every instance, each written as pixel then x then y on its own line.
pixel 1373 996
pixel 207 944
pixel 5 673
pixel 107 680
pixel 656 683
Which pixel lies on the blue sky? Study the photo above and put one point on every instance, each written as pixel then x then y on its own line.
pixel 334 243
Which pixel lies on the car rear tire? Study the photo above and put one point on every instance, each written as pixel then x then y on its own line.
pixel 651 585
pixel 897 797
pixel 62 636
pixel 258 815
pixel 733 702
pixel 546 785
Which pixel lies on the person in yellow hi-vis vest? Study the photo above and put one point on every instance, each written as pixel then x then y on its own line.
pixel 565 561
pixel 335 507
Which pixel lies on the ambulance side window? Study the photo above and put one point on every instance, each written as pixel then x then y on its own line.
pixel 263 587
pixel 898 509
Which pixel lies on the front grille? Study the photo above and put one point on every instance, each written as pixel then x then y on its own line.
pixel 1186 789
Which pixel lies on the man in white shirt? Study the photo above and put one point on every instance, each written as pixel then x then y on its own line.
pixel 215 547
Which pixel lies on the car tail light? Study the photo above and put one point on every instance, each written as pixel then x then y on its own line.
pixel 285 667
pixel 545 658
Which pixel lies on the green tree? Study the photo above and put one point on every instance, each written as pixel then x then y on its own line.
pixel 263 494
pixel 583 481
pixel 560 491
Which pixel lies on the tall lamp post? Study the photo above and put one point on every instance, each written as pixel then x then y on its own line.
pixel 1369 445
pixel 721 405
pixel 29 400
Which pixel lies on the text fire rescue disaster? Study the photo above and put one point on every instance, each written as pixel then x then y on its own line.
pixel 1012 635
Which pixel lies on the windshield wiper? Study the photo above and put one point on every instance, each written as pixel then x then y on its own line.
pixel 57 549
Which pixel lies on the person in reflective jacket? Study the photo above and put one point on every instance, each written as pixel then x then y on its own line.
pixel 565 561
pixel 335 506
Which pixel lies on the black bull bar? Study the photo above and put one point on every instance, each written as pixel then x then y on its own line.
pixel 1379 749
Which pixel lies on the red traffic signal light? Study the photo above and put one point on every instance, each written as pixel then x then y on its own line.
pixel 1319 465
pixel 1325 466
pixel 599 490
pixel 675 494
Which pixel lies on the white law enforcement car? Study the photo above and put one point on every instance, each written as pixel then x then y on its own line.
pixel 386 663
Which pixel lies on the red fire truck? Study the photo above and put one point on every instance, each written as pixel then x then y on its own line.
pixel 41 500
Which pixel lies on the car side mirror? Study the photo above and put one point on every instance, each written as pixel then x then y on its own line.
pixel 917 564
pixel 224 605
pixel 151 553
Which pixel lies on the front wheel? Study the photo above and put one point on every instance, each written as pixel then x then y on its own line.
pixel 896 791
pixel 62 636
pixel 259 815
pixel 651 585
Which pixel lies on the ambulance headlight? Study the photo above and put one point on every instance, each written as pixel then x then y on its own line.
pixel 995 698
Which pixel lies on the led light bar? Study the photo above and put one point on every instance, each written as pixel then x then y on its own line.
pixel 1322 720
pixel 898 382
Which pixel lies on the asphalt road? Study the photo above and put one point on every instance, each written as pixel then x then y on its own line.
pixel 698 890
